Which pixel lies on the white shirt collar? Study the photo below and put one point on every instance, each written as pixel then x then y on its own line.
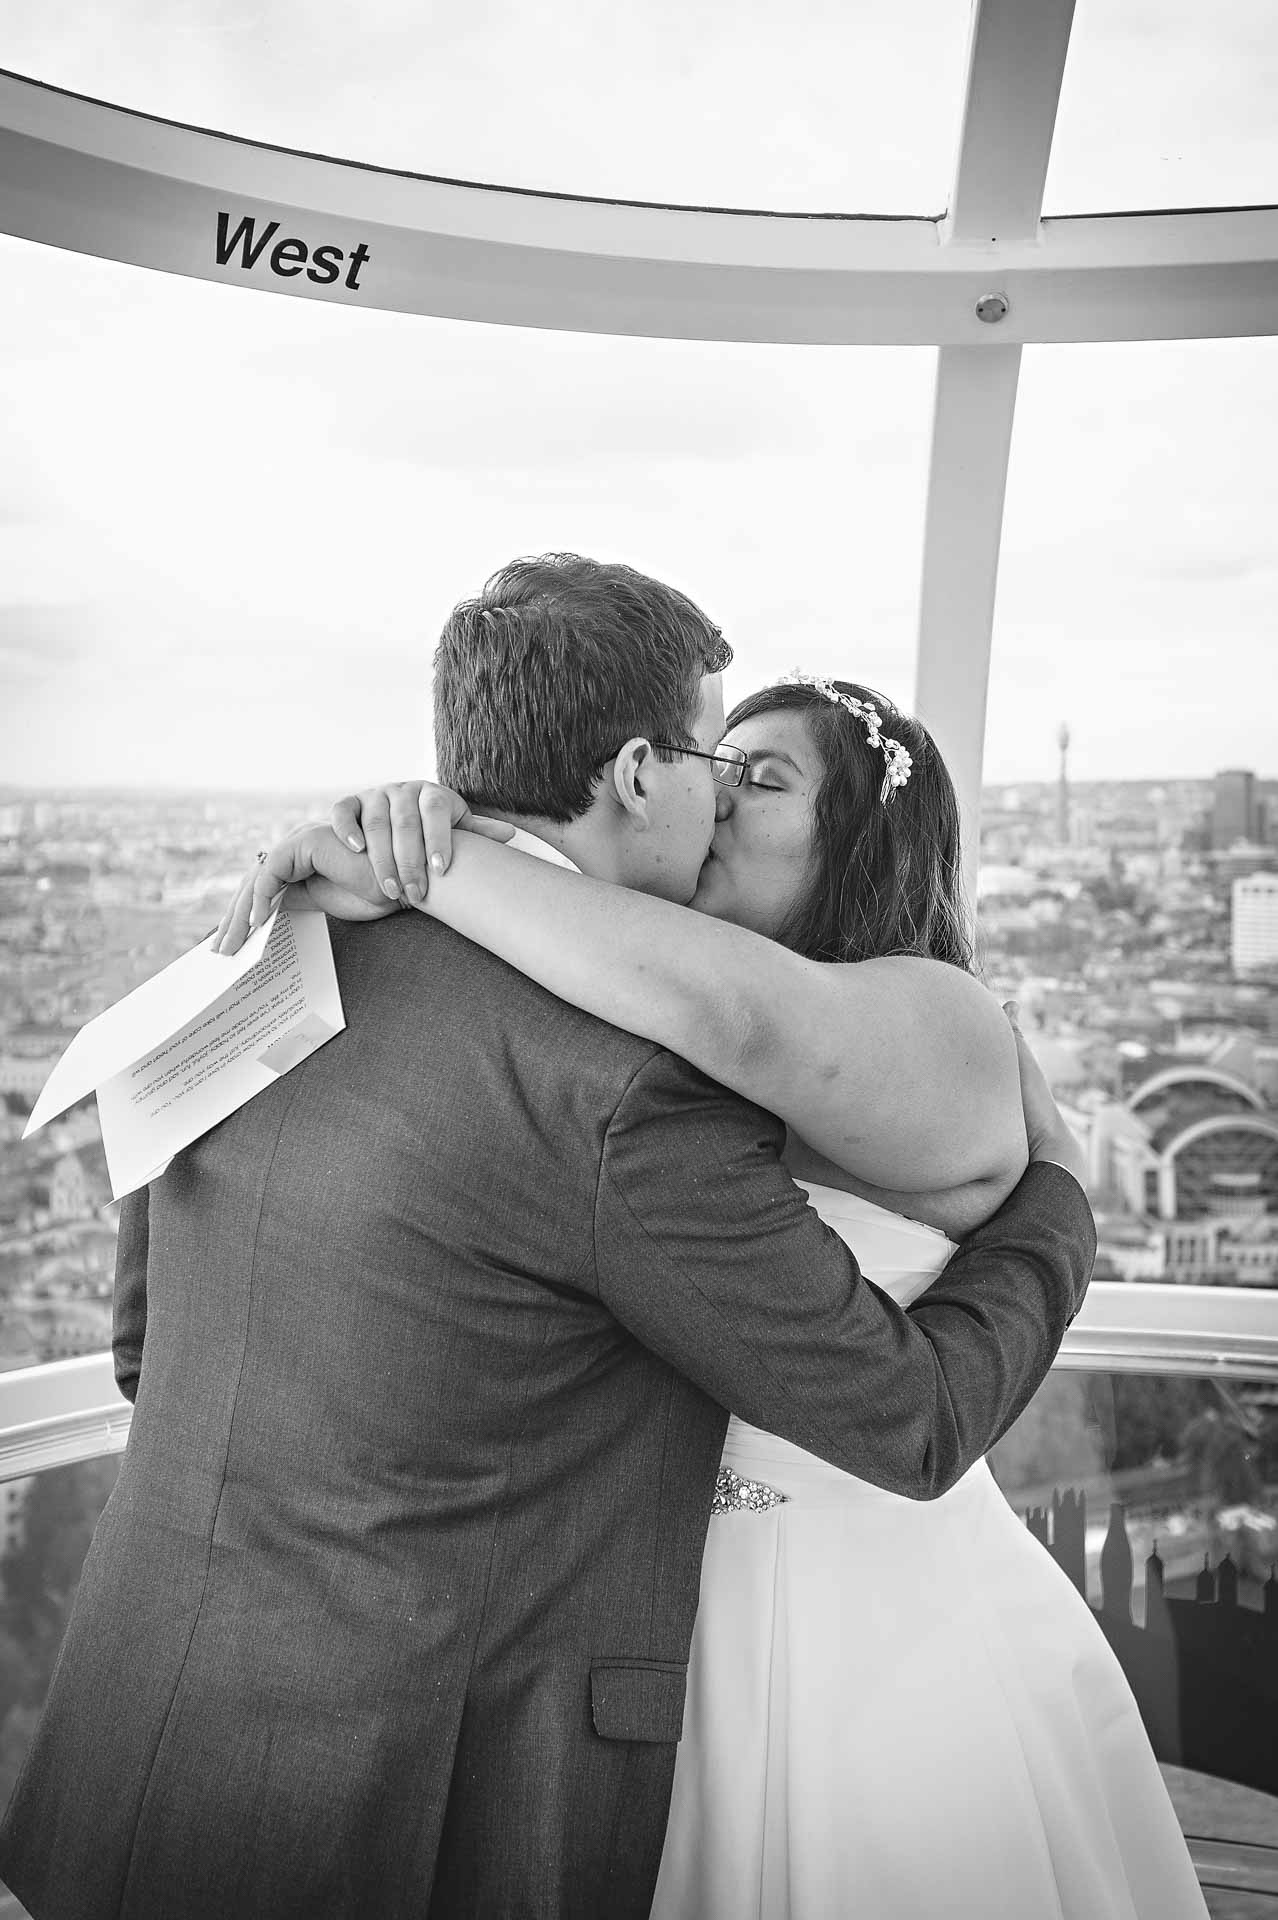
pixel 533 843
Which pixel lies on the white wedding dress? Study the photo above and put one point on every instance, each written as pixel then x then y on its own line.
pixel 903 1710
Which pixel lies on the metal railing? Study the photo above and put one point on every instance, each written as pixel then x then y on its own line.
pixel 53 1415
pixel 71 1410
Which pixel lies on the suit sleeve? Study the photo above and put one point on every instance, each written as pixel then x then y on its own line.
pixel 709 1254
pixel 128 1308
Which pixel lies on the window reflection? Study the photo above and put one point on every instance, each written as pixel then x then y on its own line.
pixel 47 1522
pixel 1157 1495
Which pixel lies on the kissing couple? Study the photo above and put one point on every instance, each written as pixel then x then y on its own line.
pixel 555 1486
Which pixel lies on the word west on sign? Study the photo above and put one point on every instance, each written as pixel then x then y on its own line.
pixel 287 257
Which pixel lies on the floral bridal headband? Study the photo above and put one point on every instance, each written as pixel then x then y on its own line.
pixel 899 762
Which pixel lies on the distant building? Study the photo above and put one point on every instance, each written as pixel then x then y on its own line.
pixel 1062 787
pixel 64 1329
pixel 1233 810
pixel 1191 1143
pixel 1265 820
pixel 1243 859
pixel 23 1074
pixel 1227 1253
pixel 1254 924
pixel 29 1054
pixel 1128 1249
pixel 13 1505
pixel 70 1197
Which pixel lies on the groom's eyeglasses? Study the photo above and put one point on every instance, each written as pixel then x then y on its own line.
pixel 728 764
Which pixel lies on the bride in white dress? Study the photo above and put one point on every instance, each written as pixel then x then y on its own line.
pixel 901 1709
pixel 895 1709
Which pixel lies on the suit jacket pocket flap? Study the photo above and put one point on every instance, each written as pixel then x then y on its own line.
pixel 638 1699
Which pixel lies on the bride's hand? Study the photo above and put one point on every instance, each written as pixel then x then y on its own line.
pixel 1047 1133
pixel 325 874
pixel 407 828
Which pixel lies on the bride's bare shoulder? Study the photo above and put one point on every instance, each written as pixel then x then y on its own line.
pixel 932 990
pixel 943 1134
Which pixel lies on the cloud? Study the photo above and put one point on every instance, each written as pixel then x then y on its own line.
pixel 39 643
pixel 1166 103
pixel 483 398
pixel 804 106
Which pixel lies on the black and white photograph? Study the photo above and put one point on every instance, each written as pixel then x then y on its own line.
pixel 639 961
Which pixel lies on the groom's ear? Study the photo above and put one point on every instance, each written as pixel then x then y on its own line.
pixel 631 778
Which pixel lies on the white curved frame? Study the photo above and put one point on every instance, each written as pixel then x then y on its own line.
pixel 94 178
pixel 99 179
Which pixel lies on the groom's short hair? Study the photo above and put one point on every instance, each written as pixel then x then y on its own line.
pixel 555 665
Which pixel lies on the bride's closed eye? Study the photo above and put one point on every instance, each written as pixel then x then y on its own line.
pixel 755 779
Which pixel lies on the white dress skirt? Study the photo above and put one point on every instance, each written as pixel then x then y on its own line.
pixel 904 1710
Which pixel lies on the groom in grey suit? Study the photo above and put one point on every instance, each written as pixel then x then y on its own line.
pixel 431 1347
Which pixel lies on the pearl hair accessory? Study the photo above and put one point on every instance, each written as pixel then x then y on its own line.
pixel 899 763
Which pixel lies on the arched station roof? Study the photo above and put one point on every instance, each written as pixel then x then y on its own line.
pixel 1218 1123
pixel 1201 1167
pixel 1209 1077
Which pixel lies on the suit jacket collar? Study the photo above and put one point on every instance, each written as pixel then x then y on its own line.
pixel 533 843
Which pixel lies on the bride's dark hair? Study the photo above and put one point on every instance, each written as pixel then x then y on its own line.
pixel 888 873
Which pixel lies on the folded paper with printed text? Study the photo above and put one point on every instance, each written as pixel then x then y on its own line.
pixel 189 1046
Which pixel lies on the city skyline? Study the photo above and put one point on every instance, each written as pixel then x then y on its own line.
pixel 11 790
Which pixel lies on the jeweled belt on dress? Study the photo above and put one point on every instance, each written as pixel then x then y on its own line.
pixel 734 1494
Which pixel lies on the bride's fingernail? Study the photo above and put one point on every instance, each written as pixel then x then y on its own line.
pixel 415 893
pixel 353 840
pixel 391 887
pixel 437 863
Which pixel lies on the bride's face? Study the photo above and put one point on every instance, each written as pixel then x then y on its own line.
pixel 762 860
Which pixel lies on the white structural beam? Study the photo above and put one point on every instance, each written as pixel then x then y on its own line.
pixel 78 174
pixel 971 438
pixel 1015 63
pixel 1016 60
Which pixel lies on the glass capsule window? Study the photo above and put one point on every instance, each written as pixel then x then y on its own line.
pixel 940 356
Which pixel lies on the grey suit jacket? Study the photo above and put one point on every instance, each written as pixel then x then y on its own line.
pixel 432 1343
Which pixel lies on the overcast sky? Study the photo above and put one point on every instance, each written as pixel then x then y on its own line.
pixel 231 523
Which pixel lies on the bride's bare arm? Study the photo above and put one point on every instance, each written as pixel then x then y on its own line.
pixel 901 1071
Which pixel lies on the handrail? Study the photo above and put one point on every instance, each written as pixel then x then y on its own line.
pixel 1234 1866
pixel 54 1415
pixel 1140 1327
pixel 69 1410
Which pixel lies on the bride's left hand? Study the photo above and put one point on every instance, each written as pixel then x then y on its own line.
pixel 308 867
pixel 407 829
